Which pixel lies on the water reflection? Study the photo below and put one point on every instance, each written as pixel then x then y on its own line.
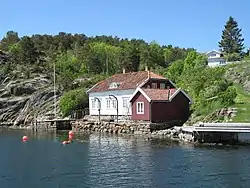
pixel 101 160
pixel 114 157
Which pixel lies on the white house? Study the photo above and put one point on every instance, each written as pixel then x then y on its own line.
pixel 215 58
pixel 119 88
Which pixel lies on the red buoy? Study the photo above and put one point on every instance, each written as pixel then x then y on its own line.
pixel 70 137
pixel 25 138
pixel 71 133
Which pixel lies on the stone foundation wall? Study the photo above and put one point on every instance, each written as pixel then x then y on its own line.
pixel 106 118
pixel 133 127
pixel 111 127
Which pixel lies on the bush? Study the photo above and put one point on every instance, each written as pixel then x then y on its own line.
pixel 227 97
pixel 73 100
pixel 232 57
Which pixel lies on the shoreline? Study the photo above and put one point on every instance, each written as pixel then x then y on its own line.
pixel 82 127
pixel 175 133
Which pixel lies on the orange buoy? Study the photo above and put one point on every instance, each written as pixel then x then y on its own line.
pixel 71 133
pixel 25 138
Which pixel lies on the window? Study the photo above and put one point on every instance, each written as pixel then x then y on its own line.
pixel 212 55
pixel 154 85
pixel 114 85
pixel 140 107
pixel 92 103
pixel 108 103
pixel 125 102
pixel 162 85
pixel 114 103
pixel 222 62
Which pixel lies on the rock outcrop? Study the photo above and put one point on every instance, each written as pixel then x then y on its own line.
pixel 240 74
pixel 23 100
pixel 4 57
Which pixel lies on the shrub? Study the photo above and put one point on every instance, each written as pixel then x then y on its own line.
pixel 73 100
pixel 227 97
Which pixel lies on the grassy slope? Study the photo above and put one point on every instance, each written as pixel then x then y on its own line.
pixel 242 103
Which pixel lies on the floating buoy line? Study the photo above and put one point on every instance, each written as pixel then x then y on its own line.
pixel 69 141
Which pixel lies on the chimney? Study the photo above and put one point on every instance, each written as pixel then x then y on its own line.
pixel 146 68
pixel 148 74
pixel 123 71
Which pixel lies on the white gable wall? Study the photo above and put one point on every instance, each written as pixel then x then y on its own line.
pixel 213 54
pixel 107 109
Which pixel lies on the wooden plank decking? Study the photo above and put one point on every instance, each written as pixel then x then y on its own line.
pixel 218 127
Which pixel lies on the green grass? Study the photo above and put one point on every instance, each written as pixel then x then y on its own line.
pixel 242 103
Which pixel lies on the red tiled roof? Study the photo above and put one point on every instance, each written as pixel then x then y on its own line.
pixel 129 80
pixel 159 94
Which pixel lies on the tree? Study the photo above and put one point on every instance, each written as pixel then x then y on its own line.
pixel 131 54
pixel 151 56
pixel 168 55
pixel 175 70
pixel 68 68
pixel 73 100
pixel 28 52
pixel 103 58
pixel 231 39
pixel 10 39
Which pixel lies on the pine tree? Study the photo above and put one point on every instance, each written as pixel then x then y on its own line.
pixel 232 41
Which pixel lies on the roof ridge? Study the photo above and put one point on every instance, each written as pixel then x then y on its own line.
pixel 129 80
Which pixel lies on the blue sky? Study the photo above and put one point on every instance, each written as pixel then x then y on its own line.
pixel 184 23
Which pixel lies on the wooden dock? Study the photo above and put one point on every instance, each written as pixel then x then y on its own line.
pixel 218 127
pixel 53 124
pixel 216 132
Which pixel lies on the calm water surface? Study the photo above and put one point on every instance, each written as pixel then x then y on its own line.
pixel 110 161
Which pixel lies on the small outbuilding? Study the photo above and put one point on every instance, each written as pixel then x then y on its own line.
pixel 160 105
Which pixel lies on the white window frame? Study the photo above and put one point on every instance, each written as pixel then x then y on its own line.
pixel 140 107
pixel 162 85
pixel 114 103
pixel 108 103
pixel 125 101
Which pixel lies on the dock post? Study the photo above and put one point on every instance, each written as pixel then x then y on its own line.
pixel 236 137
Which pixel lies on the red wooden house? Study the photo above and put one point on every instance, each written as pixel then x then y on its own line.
pixel 156 104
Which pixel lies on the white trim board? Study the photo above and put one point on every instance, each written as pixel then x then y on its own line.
pixel 92 87
pixel 142 92
pixel 217 51
pixel 183 92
